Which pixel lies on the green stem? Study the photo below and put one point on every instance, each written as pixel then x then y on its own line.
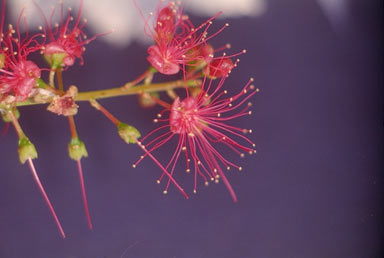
pixel 142 88
pixel 121 91
pixel 52 77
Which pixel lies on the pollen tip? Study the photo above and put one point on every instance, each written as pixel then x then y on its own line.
pixel 227 24
pixel 134 165
pixel 194 191
pixel 240 168
pixel 217 181
pixel 165 192
pixel 187 170
pixel 244 51
pixel 206 183
pixel 228 168
pixel 212 178
pixel 242 155
pixel 158 181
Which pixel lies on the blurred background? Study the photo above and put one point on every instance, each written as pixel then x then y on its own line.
pixel 315 188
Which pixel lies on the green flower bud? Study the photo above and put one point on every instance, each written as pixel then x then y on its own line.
pixel 26 150
pixel 76 149
pixel 128 133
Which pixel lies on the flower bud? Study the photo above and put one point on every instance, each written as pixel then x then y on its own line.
pixel 26 150
pixel 76 149
pixel 128 133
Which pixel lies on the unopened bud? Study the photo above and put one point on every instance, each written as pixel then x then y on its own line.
pixel 26 150
pixel 76 149
pixel 128 133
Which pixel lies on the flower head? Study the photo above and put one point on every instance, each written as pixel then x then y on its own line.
pixel 201 125
pixel 18 75
pixel 65 41
pixel 178 43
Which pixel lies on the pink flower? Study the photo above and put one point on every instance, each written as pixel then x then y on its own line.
pixel 202 127
pixel 17 74
pixel 177 41
pixel 66 41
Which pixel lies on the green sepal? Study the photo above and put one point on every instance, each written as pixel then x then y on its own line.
pixel 76 149
pixel 41 83
pixel 128 133
pixel 55 60
pixel 152 69
pixel 26 150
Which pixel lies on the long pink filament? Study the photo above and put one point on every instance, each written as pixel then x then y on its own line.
pixel 45 196
pixel 81 177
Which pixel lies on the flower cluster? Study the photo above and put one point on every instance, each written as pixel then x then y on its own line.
pixel 21 81
pixel 198 118
pixel 178 43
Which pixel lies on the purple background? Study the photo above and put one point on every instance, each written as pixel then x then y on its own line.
pixel 313 190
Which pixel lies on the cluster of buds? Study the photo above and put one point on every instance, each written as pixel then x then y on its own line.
pixel 197 112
